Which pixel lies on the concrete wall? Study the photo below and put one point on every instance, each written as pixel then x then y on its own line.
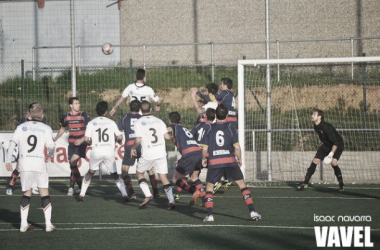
pixel 24 26
pixel 204 21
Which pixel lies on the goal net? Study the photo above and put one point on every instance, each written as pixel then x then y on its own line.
pixel 278 141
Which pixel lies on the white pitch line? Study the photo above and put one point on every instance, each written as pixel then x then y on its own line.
pixel 158 226
pixel 222 197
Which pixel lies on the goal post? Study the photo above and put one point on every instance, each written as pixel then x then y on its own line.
pixel 345 88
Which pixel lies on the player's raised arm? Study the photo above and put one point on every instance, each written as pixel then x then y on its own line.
pixel 113 110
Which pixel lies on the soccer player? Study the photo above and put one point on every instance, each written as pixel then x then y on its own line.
pixel 221 144
pixel 15 174
pixel 32 138
pixel 77 121
pixel 151 133
pixel 138 91
pixel 127 124
pixel 209 98
pixel 102 133
pixel 330 151
pixel 191 156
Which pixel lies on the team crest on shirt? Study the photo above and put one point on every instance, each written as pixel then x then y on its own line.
pixel 143 123
pixel 95 123
pixel 131 92
pixel 24 129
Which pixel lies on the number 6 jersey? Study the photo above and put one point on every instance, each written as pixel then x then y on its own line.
pixel 32 137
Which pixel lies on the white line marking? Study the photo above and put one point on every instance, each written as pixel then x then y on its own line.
pixel 154 226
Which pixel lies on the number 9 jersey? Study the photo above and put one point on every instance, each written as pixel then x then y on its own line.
pixel 32 137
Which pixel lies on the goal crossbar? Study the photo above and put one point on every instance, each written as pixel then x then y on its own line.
pixel 268 62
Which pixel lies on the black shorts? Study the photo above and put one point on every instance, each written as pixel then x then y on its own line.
pixel 187 164
pixel 324 151
pixel 77 150
pixel 231 173
pixel 128 159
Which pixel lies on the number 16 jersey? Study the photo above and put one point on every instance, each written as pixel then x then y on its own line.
pixel 151 130
pixel 102 132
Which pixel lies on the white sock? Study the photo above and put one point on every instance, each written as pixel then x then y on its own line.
pixel 47 213
pixel 24 211
pixel 145 188
pixel 169 194
pixel 120 184
pixel 85 185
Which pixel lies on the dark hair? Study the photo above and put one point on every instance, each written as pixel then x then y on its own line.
pixel 135 106
pixel 36 110
pixel 145 107
pixel 140 74
pixel 228 82
pixel 210 114
pixel 101 107
pixel 71 99
pixel 221 112
pixel 174 117
pixel 320 113
pixel 212 88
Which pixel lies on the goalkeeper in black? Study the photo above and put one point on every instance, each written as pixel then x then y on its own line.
pixel 330 151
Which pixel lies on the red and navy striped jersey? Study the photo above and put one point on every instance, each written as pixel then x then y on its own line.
pixel 184 140
pixel 220 139
pixel 77 124
pixel 227 98
pixel 127 124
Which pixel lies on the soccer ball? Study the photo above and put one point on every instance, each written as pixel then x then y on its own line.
pixel 107 48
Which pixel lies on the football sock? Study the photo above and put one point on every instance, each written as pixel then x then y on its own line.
pixel 209 204
pixel 46 206
pixel 198 184
pixel 145 187
pixel 182 183
pixel 14 176
pixel 310 172
pixel 121 186
pixel 72 175
pixel 169 192
pixel 247 198
pixel 76 175
pixel 24 209
pixel 128 183
pixel 338 175
pixel 85 184
pixel 153 182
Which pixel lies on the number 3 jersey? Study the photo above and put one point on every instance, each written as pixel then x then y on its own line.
pixel 220 138
pixel 32 137
pixel 151 130
pixel 103 132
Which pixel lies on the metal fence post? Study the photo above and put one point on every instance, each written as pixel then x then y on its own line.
pixel 278 57
pixel 212 63
pixel 144 51
pixel 33 70
pixel 23 88
pixel 352 55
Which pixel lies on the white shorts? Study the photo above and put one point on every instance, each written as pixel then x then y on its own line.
pixel 160 165
pixel 107 161
pixel 31 179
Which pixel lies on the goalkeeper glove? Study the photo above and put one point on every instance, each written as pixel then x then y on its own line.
pixel 328 159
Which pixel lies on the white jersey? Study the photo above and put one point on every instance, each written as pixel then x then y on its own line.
pixel 103 132
pixel 32 137
pixel 151 130
pixel 140 92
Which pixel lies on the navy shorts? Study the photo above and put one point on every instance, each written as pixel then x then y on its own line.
pixel 77 150
pixel 187 164
pixel 128 159
pixel 231 173
pixel 324 151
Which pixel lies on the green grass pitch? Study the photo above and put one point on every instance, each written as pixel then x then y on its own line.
pixel 105 221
